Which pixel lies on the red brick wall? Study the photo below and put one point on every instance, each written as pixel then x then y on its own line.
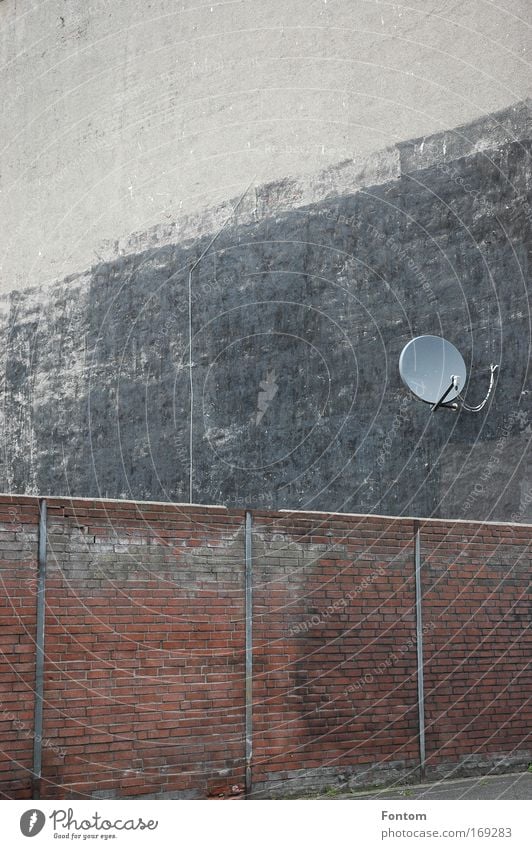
pixel 476 586
pixel 144 651
pixel 145 654
pixel 334 601
pixel 19 522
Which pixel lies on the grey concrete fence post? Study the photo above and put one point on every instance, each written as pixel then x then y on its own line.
pixel 39 653
pixel 249 650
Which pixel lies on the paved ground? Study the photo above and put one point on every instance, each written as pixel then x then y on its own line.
pixel 515 785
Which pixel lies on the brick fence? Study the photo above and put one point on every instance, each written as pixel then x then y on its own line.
pixel 144 690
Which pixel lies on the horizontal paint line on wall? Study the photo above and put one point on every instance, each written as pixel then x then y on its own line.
pixel 447 521
pixel 29 499
pixel 87 499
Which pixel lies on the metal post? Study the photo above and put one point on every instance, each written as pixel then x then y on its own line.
pixel 39 655
pixel 440 403
pixel 419 646
pixel 249 652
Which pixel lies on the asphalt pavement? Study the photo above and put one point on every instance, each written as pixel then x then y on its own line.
pixel 516 785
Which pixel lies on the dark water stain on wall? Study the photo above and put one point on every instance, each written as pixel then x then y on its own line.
pixel 297 324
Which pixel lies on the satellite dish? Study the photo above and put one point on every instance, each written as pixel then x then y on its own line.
pixel 431 367
pixel 434 370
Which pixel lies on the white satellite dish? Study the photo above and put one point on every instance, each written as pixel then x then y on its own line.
pixel 435 371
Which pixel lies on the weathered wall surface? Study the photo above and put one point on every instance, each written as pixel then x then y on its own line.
pixel 144 651
pixel 480 579
pixel 144 686
pixel 336 650
pixel 335 666
pixel 18 576
pixel 120 114
pixel 287 372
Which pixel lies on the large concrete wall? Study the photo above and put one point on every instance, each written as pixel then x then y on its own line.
pixel 119 115
pixel 272 378
pixel 126 129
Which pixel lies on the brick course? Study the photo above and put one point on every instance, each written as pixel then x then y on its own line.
pixel 145 648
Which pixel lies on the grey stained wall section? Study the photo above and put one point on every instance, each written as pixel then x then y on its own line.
pixel 299 309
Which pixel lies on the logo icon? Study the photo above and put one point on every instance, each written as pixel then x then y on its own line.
pixel 32 822
pixel 268 392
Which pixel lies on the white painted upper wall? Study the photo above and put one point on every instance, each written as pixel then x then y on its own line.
pixel 118 115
